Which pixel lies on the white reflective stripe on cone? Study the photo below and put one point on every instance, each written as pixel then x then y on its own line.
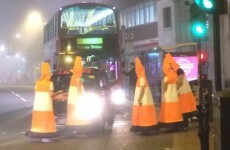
pixel 43 102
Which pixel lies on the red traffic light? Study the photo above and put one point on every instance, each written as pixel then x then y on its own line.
pixel 202 57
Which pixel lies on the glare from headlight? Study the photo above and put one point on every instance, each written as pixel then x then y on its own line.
pixel 118 97
pixel 68 59
pixel 89 106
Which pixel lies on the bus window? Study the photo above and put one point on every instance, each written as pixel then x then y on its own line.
pixel 86 30
pixel 88 20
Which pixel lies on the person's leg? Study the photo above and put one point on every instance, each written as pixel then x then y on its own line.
pixel 186 122
pixel 131 92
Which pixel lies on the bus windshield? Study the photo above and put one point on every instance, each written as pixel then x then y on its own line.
pixel 78 20
pixel 89 30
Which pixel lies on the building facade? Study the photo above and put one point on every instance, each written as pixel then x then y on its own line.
pixel 150 24
pixel 140 20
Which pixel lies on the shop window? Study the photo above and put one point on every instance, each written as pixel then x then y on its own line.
pixel 167 20
pixel 138 17
pixel 138 14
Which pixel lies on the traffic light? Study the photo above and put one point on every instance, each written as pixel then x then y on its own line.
pixel 207 5
pixel 198 23
pixel 213 6
pixel 202 58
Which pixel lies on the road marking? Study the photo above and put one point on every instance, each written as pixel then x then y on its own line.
pixel 22 99
pixel 17 95
pixel 126 114
pixel 22 132
pixel 119 123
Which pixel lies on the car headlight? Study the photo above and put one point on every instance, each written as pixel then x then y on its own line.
pixel 89 106
pixel 118 96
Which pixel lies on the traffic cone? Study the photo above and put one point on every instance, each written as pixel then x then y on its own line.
pixel 76 90
pixel 186 98
pixel 43 121
pixel 170 115
pixel 144 118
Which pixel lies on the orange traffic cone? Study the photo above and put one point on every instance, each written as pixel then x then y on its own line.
pixel 76 90
pixel 43 121
pixel 144 118
pixel 186 98
pixel 170 114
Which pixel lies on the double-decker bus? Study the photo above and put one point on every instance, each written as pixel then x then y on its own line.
pixel 89 30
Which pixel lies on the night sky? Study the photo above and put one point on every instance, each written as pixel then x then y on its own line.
pixel 13 13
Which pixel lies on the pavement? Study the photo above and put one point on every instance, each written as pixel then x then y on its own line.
pixel 182 140
pixel 12 135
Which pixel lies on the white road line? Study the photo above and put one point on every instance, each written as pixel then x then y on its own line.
pixel 17 95
pixel 119 123
pixel 21 98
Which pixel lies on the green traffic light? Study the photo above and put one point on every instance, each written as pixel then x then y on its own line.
pixel 206 5
pixel 198 2
pixel 198 22
pixel 199 30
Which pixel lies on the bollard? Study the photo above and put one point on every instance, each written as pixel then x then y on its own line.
pixel 204 128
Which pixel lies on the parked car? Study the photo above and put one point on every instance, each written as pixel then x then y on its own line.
pixel 97 106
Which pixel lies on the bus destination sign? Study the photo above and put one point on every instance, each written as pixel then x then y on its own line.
pixel 90 43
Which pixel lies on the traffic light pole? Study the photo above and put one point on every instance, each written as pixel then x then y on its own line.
pixel 216 7
pixel 200 74
pixel 217 58
pixel 202 108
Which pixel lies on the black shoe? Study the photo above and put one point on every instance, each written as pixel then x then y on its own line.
pixel 133 129
pixel 173 130
pixel 146 133
pixel 185 128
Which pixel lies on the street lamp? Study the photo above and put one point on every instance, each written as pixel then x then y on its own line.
pixel 32 36
pixel 17 36
pixel 2 48
pixel 34 21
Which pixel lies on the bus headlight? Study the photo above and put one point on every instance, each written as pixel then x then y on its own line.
pixel 68 59
pixel 89 106
pixel 118 96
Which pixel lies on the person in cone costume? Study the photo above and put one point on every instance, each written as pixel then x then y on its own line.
pixel 144 118
pixel 43 120
pixel 76 90
pixel 170 116
pixel 187 100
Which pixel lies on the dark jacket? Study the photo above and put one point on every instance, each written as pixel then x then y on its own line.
pixel 132 77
